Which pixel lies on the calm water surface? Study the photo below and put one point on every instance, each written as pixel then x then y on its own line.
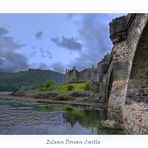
pixel 19 116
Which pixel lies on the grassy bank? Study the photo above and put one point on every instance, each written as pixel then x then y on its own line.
pixel 66 88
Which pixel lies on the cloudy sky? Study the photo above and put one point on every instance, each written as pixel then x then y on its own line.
pixel 53 41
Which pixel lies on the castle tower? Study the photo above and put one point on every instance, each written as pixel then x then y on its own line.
pixel 66 76
pixel 74 74
pixel 92 73
pixel 71 75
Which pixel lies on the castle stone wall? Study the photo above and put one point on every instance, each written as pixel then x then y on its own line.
pixel 129 94
pixel 123 74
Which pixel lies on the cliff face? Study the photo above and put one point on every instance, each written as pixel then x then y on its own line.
pixel 123 74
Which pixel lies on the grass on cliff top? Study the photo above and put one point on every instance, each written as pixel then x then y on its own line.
pixel 65 88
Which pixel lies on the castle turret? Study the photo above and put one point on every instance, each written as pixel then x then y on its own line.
pixel 71 75
pixel 66 76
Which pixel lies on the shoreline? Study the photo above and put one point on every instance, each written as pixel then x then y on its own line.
pixel 89 105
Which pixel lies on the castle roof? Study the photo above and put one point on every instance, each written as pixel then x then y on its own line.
pixel 71 71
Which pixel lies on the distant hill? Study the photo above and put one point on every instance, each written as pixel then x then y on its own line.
pixel 31 79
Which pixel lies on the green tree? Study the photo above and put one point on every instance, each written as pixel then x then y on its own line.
pixel 70 88
pixel 49 83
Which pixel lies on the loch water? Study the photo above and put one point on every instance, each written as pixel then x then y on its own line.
pixel 31 117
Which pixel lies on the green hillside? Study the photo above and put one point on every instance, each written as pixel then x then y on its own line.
pixel 31 79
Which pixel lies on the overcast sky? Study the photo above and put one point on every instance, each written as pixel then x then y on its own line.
pixel 53 41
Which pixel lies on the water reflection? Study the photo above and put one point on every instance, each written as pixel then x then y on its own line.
pixel 31 117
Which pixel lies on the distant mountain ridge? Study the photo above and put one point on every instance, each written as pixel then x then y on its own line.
pixel 31 79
